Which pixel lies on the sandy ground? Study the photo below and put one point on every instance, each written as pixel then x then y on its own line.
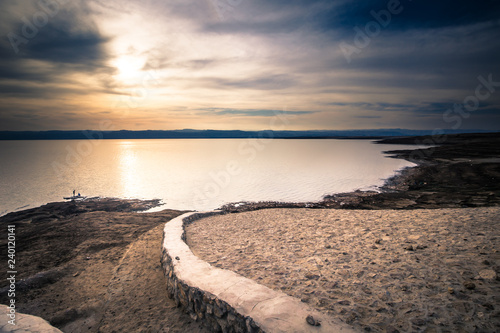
pixel 384 271
pixel 93 267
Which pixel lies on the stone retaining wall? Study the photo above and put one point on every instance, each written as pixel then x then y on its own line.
pixel 227 302
pixel 217 315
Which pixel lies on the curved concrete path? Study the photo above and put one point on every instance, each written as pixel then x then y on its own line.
pixel 270 310
pixel 24 323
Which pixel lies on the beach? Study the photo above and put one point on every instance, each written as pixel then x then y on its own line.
pixel 382 271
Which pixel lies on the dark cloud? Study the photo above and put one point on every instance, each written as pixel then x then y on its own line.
pixel 67 42
pixel 256 82
pixel 331 16
pixel 57 45
pixel 427 58
pixel 422 14
pixel 417 109
pixel 376 106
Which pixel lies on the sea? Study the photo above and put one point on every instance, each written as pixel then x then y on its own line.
pixel 190 174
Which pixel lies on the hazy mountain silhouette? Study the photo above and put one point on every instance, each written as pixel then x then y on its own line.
pixel 215 134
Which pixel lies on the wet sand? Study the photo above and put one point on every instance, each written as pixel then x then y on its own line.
pixel 383 271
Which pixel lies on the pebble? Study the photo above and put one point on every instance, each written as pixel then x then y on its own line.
pixel 312 321
pixel 391 329
pixel 469 285
pixel 488 274
pixel 418 322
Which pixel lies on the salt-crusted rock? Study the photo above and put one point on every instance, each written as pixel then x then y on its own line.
pixel 488 274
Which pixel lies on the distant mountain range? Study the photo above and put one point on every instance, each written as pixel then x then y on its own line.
pixel 217 134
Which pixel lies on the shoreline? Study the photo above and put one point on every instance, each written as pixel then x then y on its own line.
pixel 462 172
pixel 77 250
pixel 78 262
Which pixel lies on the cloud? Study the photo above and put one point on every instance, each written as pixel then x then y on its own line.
pixel 368 117
pixel 248 59
pixel 252 112
pixel 49 46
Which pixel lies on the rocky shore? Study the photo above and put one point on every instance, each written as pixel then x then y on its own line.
pixel 93 266
pixel 463 171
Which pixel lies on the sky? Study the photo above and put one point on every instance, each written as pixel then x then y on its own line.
pixel 249 64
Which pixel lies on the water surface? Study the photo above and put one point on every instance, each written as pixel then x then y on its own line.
pixel 194 174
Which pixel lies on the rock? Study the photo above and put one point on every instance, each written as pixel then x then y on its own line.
pixel 346 302
pixel 328 246
pixel 469 285
pixel 418 322
pixel 351 318
pixel 177 258
pixel 366 290
pixel 378 241
pixel 312 321
pixel 421 247
pixel 409 248
pixel 488 274
pixel 486 262
pixel 391 329
pixel 489 306
pixel 451 290
pixel 311 276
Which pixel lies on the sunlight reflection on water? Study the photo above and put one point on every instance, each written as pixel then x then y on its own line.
pixel 190 174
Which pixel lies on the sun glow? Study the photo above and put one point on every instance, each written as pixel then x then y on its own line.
pixel 129 67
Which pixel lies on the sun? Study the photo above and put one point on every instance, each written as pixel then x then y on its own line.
pixel 129 67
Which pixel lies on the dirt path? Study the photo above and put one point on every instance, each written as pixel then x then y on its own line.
pixel 92 267
pixel 137 297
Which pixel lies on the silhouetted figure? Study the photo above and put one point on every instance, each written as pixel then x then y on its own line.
pixel 73 192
